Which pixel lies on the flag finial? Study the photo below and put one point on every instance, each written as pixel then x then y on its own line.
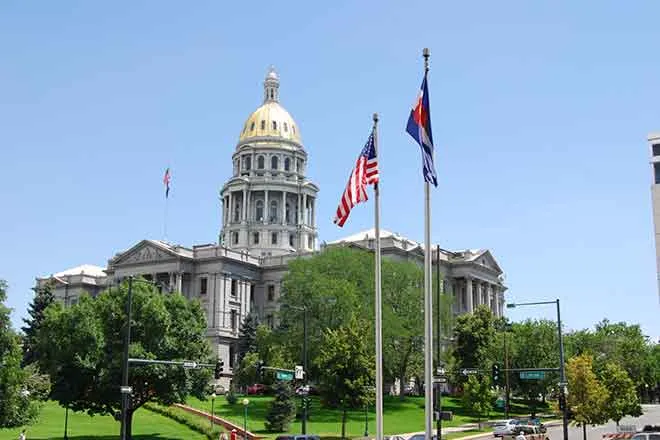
pixel 426 53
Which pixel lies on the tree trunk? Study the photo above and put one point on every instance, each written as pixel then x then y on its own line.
pixel 584 431
pixel 617 424
pixel 343 423
pixel 129 424
pixel 402 384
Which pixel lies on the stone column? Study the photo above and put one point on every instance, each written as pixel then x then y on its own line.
pixel 299 210
pixel 304 210
pixel 244 216
pixel 179 282
pixel 248 205
pixel 468 295
pixel 171 286
pixel 266 208
pixel 231 208
pixel 283 207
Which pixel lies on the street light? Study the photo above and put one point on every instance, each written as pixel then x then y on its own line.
pixel 66 423
pixel 245 402
pixel 562 372
pixel 212 403
pixel 304 397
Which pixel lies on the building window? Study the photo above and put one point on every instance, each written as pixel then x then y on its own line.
pixel 293 128
pixel 203 285
pixel 234 287
pixel 656 168
pixel 252 126
pixel 270 321
pixel 237 211
pixel 259 211
pixel 310 242
pixel 274 162
pixel 273 238
pixel 272 216
pixel 232 355
pixel 234 319
pixel 274 125
pixel 291 240
pixel 260 162
pixel 255 238
pixel 271 293
pixel 252 288
pixel 263 125
pixel 287 213
pixel 287 164
pixel 234 237
pixel 286 127
pixel 248 162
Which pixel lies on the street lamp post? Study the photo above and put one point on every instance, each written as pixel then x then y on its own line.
pixel 305 398
pixel 246 402
pixel 125 390
pixel 212 404
pixel 366 419
pixel 66 422
pixel 562 372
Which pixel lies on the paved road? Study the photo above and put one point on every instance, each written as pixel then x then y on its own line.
pixel 651 417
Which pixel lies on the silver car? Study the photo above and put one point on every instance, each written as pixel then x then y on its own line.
pixel 505 427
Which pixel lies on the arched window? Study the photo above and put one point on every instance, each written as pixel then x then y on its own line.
pixel 274 162
pixel 237 211
pixel 272 215
pixel 288 213
pixel 259 211
pixel 286 127
pixel 287 164
pixel 274 125
pixel 263 125
pixel 260 162
pixel 248 162
pixel 293 127
pixel 252 126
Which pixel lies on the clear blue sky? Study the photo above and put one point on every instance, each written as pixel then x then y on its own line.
pixel 540 113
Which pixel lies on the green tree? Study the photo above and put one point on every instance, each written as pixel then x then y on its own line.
pixel 19 389
pixel 81 349
pixel 623 399
pixel 477 396
pixel 282 410
pixel 43 297
pixel 587 397
pixel 247 336
pixel 475 340
pixel 348 368
pixel 245 372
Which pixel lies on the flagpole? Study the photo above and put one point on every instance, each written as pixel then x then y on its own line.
pixel 428 301
pixel 379 305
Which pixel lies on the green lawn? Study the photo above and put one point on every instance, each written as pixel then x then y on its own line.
pixel 146 425
pixel 399 416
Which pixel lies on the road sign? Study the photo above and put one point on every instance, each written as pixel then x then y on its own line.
pixel 532 375
pixel 300 373
pixel 126 390
pixel 284 375
pixel 440 371
pixel 440 379
pixel 190 364
pixel 468 371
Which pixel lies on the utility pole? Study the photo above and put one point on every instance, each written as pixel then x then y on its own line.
pixel 125 390
pixel 305 382
pixel 438 390
pixel 562 373
pixel 507 391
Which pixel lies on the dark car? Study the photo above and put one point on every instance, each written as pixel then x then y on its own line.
pixel 298 437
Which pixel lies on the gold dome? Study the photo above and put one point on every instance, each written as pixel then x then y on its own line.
pixel 272 120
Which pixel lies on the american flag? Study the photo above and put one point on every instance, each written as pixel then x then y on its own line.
pixel 365 173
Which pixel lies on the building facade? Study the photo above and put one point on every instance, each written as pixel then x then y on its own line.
pixel 268 210
pixel 654 149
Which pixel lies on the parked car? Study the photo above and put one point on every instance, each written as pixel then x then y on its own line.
pixel 504 427
pixel 298 437
pixel 307 390
pixel 257 388
pixel 535 422
pixel 421 437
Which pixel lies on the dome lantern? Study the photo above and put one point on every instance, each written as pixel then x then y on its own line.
pixel 271 86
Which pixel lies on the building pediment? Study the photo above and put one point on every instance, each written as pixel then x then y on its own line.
pixel 147 251
pixel 486 259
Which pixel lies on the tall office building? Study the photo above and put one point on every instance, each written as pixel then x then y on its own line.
pixel 654 146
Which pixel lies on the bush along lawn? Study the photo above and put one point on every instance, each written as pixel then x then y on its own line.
pixel 400 416
pixel 147 425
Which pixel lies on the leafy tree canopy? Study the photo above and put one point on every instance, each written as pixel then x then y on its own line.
pixel 587 396
pixel 623 398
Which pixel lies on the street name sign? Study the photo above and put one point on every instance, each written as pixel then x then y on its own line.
pixel 468 371
pixel 440 379
pixel 192 364
pixel 284 375
pixel 532 375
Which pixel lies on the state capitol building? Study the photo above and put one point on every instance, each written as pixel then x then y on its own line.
pixel 268 219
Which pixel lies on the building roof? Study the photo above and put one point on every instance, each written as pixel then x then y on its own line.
pixel 84 269
pixel 370 234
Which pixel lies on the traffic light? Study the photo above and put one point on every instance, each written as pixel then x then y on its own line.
pixel 219 366
pixel 496 373
pixel 258 366
pixel 562 401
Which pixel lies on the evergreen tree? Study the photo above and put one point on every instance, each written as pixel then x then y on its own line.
pixel 18 405
pixel 43 297
pixel 282 410
pixel 247 337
